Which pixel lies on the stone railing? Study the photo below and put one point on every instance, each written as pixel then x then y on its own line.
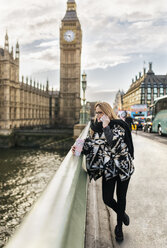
pixel 57 220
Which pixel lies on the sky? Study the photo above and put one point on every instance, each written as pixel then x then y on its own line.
pixel 119 38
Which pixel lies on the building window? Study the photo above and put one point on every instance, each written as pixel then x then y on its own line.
pixel 143 96
pixel 142 90
pixel 155 96
pixel 149 90
pixel 161 90
pixel 148 96
pixel 155 90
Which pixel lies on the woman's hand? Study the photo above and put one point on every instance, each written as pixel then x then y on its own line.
pixel 78 147
pixel 73 149
pixel 105 120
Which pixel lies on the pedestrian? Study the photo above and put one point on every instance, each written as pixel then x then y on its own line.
pixel 109 154
pixel 129 121
pixel 123 115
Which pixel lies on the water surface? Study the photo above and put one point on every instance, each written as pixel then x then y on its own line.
pixel 24 173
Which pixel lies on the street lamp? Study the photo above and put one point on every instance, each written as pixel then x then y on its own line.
pixel 83 110
pixel 84 84
pixel 84 76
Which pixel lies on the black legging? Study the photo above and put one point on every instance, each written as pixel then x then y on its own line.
pixel 108 193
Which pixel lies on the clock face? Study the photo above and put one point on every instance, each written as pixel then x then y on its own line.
pixel 69 35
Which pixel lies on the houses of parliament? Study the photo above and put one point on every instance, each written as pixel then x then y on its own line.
pixel 28 104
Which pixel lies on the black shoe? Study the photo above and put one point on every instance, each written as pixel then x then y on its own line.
pixel 126 220
pixel 118 233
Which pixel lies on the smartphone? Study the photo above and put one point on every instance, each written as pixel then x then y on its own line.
pixel 103 118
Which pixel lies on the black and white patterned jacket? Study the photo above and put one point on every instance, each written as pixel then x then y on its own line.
pixel 107 154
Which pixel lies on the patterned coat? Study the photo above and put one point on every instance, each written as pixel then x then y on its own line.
pixel 107 154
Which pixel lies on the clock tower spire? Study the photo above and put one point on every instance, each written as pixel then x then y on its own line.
pixel 70 66
pixel 71 5
pixel 71 13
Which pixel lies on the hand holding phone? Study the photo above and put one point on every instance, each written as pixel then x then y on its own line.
pixel 105 120
pixel 77 147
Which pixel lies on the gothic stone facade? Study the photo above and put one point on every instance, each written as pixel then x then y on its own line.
pixel 145 89
pixel 21 104
pixel 70 66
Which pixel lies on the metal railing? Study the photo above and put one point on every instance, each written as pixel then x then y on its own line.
pixel 57 220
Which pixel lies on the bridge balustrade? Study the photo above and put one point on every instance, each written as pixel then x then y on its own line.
pixel 57 219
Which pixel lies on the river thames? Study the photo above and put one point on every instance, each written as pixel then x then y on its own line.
pixel 24 174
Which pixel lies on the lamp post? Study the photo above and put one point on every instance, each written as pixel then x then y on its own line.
pixel 83 111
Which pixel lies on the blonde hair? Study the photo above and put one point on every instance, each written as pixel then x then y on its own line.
pixel 107 109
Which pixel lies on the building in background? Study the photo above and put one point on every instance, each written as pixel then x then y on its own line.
pixel 145 89
pixel 91 108
pixel 28 104
pixel 118 103
pixel 22 104
pixel 70 67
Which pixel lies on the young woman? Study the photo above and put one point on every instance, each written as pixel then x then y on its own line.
pixel 109 153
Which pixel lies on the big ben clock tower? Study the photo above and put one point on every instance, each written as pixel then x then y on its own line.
pixel 70 66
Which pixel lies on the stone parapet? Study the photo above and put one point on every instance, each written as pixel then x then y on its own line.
pixel 78 129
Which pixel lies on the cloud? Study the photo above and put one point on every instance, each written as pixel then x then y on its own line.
pixel 53 43
pixel 100 95
pixel 115 34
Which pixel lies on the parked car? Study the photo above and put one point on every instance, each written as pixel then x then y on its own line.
pixel 148 124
